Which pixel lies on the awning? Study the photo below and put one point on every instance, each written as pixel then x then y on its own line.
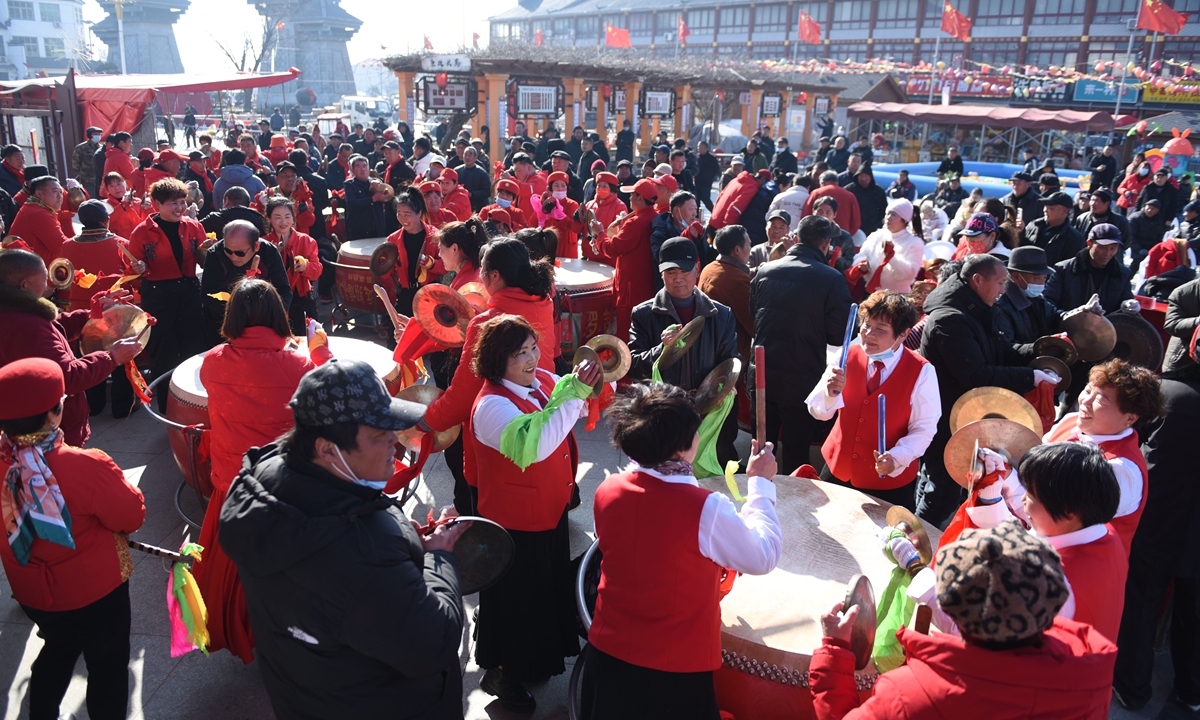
pixel 177 82
pixel 990 115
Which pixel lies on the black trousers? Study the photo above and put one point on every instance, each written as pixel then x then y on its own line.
pixel 327 252
pixel 442 365
pixel 300 309
pixel 179 334
pixel 792 430
pixel 122 395
pixel 1145 591
pixel 726 438
pixel 100 632
pixel 938 496
pixel 613 689
pixel 704 193
pixel 904 496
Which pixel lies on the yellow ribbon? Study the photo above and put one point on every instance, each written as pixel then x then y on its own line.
pixel 730 469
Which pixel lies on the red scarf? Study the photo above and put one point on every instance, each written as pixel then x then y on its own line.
pixel 208 183
pixel 19 173
pixel 387 174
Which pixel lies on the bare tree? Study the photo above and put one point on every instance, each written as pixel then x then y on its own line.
pixel 249 57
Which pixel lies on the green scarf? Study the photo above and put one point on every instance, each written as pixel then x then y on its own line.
pixel 519 441
pixel 895 609
pixel 706 462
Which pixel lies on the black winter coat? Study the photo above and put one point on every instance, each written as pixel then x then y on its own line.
pixel 1145 232
pixel 1071 284
pixel 800 305
pixel 1021 320
pixel 1060 243
pixel 216 222
pixel 351 617
pixel 1029 204
pixel 1167 194
pixel 872 204
pixel 364 216
pixel 320 200
pixel 1086 221
pixel 754 218
pixel 786 162
pixel 949 199
pixel 1183 314
pixel 716 344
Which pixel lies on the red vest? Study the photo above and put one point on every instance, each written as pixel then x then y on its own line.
pixel 1097 572
pixel 848 449
pixel 529 500
pixel 659 603
pixel 1128 448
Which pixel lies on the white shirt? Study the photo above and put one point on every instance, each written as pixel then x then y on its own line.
pixel 750 542
pixel 1129 475
pixel 901 270
pixel 926 406
pixel 791 200
pixel 495 412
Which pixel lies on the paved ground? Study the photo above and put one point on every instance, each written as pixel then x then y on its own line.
pixel 220 687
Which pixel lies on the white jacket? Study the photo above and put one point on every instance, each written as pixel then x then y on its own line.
pixel 900 272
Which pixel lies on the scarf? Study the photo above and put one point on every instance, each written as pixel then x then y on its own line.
pixel 19 173
pixel 30 500
pixel 673 467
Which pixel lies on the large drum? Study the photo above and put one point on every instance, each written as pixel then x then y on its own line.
pixel 772 623
pixel 356 287
pixel 585 293
pixel 187 401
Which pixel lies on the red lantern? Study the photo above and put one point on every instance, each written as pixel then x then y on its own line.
pixel 606 90
pixel 802 98
pixel 441 80
pixel 1156 66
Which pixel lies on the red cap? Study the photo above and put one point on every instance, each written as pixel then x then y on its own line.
pixel 558 177
pixel 763 174
pixel 599 165
pixel 278 141
pixel 449 174
pixel 509 185
pixel 669 182
pixel 30 387
pixel 645 187
pixel 607 177
pixel 171 155
pixel 496 214
pixel 430 186
pixel 145 154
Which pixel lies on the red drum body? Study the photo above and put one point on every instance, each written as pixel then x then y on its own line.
pixel 187 403
pixel 770 624
pixel 356 287
pixel 585 299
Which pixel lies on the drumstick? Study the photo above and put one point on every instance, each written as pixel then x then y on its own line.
pixel 396 317
pixel 882 425
pixel 760 395
pixel 128 255
pixel 849 334
pixel 161 552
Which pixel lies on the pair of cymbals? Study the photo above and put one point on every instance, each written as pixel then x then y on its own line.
pixel 476 296
pixel 1056 366
pixel 442 313
pixel 906 522
pixel 717 385
pixel 615 358
pixel 987 403
pixel 411 438
pixel 61 273
pixel 1058 348
pixel 1006 437
pixel 582 355
pixel 116 323
pixel 384 258
pixel 687 337
pixel 1137 341
pixel 1093 335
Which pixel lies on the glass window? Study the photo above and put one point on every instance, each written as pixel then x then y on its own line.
pixel 55 48
pixel 49 12
pixel 1000 12
pixel 999 53
pixel 1045 54
pixel 587 28
pixel 894 51
pixel 1187 6
pixel 770 18
pixel 851 15
pixel 667 22
pixel 768 51
pixel 855 52
pixel 29 43
pixel 699 20
pixel 563 28
pixel 735 19
pixel 897 14
pixel 1115 50
pixel 1116 11
pixel 520 29
pixel 500 31
pixel 18 10
pixel 617 21
pixel 949 51
pixel 1058 12
pixel 639 23
pixel 731 49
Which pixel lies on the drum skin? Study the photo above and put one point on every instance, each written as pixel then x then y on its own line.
pixel 585 297
pixel 356 287
pixel 772 623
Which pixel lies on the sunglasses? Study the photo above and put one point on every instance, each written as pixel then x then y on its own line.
pixel 237 253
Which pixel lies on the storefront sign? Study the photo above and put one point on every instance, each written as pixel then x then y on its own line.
pixel 1095 91
pixel 771 105
pixel 984 86
pixel 1040 91
pixel 1155 95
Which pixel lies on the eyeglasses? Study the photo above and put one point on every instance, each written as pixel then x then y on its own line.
pixel 237 253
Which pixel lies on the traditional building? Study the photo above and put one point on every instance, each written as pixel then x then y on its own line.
pixel 41 37
pixel 150 45
pixel 312 38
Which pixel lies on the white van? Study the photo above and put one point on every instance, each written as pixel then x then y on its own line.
pixel 365 109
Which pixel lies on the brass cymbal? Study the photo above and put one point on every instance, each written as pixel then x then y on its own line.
pixel 1137 341
pixel 619 361
pixel 61 273
pixel 717 384
pixel 442 313
pixel 1094 336
pixel 1056 347
pixel 993 402
pixel 118 322
pixel 1004 436
pixel 411 438
pixel 688 336
pixel 476 296
pixel 903 519
pixel 1056 366
pixel 583 354
pixel 862 634
pixel 384 258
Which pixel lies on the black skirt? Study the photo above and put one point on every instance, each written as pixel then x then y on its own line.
pixel 527 621
pixel 613 689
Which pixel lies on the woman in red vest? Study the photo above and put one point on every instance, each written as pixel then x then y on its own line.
pixel 666 542
pixel 300 260
pixel 879 365
pixel 250 380
pixel 1117 395
pixel 522 421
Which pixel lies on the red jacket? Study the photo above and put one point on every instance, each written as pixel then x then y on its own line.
pixel 33 327
pixel 733 200
pixel 531 191
pixel 38 226
pixel 101 257
pixel 149 244
pixel 454 406
pixel 153 174
pixel 459 203
pixel 1097 572
pixel 633 281
pixel 250 381
pixel 124 217
pixel 1163 257
pixel 606 213
pixel 1130 188
pixel 847 216
pixel 1068 677
pixel 568 229
pixel 103 506
pixel 429 249
pixel 299 245
pixel 118 161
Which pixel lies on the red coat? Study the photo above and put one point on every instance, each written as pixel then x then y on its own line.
pixel 33 327
pixel 733 200
pixel 276 155
pixel 118 161
pixel 459 203
pixel 125 216
pixel 606 213
pixel 1068 677
pixel 1097 572
pixel 515 214
pixel 1130 188
pixel 38 226
pixel 454 406
pixel 633 281
pixel 299 245
pixel 149 244
pixel 847 216
pixel 531 191
pixel 430 249
pixel 1164 257
pixel 568 229
pixel 153 174
pixel 102 258
pixel 250 381
pixel 101 503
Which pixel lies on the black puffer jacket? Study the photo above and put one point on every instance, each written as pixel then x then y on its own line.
pixel 1167 194
pixel 1183 314
pixel 872 202
pixel 1021 320
pixel 1088 220
pixel 716 344
pixel 800 305
pixel 1072 284
pixel 1030 204
pixel 1145 232
pixel 1060 242
pixel 351 617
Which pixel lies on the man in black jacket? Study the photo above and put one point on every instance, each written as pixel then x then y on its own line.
pixel 241 253
pixel 354 613
pixel 683 178
pixel 708 169
pixel 1022 313
pixel 474 180
pixel 784 161
pixel 1104 168
pixel 625 142
pixel 237 207
pixel 872 200
pixel 1147 227
pixel 836 157
pixel 952 165
pixel 199 173
pixel 1052 232
pixel 364 209
pixel 1024 198
pixel 950 194
pixel 1100 213
pixel 1162 190
pixel 960 340
pixel 1095 270
pixel 800 305
pixel 1183 316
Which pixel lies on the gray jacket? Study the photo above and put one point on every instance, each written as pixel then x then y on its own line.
pixel 716 344
pixel 1183 314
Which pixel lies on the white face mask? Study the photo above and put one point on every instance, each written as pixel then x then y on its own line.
pixel 1032 290
pixel 885 355
pixel 344 470
pixel 503 203
pixel 560 194
pixel 1143 171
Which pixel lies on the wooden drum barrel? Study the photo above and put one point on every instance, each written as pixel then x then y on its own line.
pixel 585 296
pixel 772 623
pixel 356 287
pixel 187 401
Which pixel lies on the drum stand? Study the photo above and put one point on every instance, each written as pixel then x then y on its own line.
pixel 192 435
pixel 342 313
pixel 587 584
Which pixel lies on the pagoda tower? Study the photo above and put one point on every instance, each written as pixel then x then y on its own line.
pixel 149 35
pixel 310 35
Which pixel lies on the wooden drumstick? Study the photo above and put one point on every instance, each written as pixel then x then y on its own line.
pixel 161 552
pixel 398 320
pixel 760 395
pixel 128 255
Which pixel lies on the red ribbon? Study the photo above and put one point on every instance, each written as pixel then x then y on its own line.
pixel 597 405
pixel 140 388
pixel 414 343
pixel 405 473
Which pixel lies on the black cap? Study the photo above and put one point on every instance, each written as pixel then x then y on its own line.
pixel 1193 206
pixel 350 391
pixel 561 155
pixel 33 172
pixel 1029 259
pixel 825 138
pixel 1104 234
pixel 624 163
pixel 1049 180
pixel 93 213
pixel 1058 198
pixel 462 141
pixel 195 155
pixel 1162 170
pixel 783 215
pixel 1104 194
pixel 285 165
pixel 392 144
pixel 1158 204
pixel 1021 175
pixel 663 148
pixel 679 252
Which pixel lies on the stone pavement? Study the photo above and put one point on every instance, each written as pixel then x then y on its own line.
pixel 220 687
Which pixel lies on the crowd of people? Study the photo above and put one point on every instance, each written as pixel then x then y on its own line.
pixel 310 567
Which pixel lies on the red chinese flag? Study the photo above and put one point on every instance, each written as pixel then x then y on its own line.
pixel 475 40
pixel 1156 16
pixel 538 38
pixel 810 30
pixel 428 45
pixel 616 37
pixel 955 23
pixel 683 31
